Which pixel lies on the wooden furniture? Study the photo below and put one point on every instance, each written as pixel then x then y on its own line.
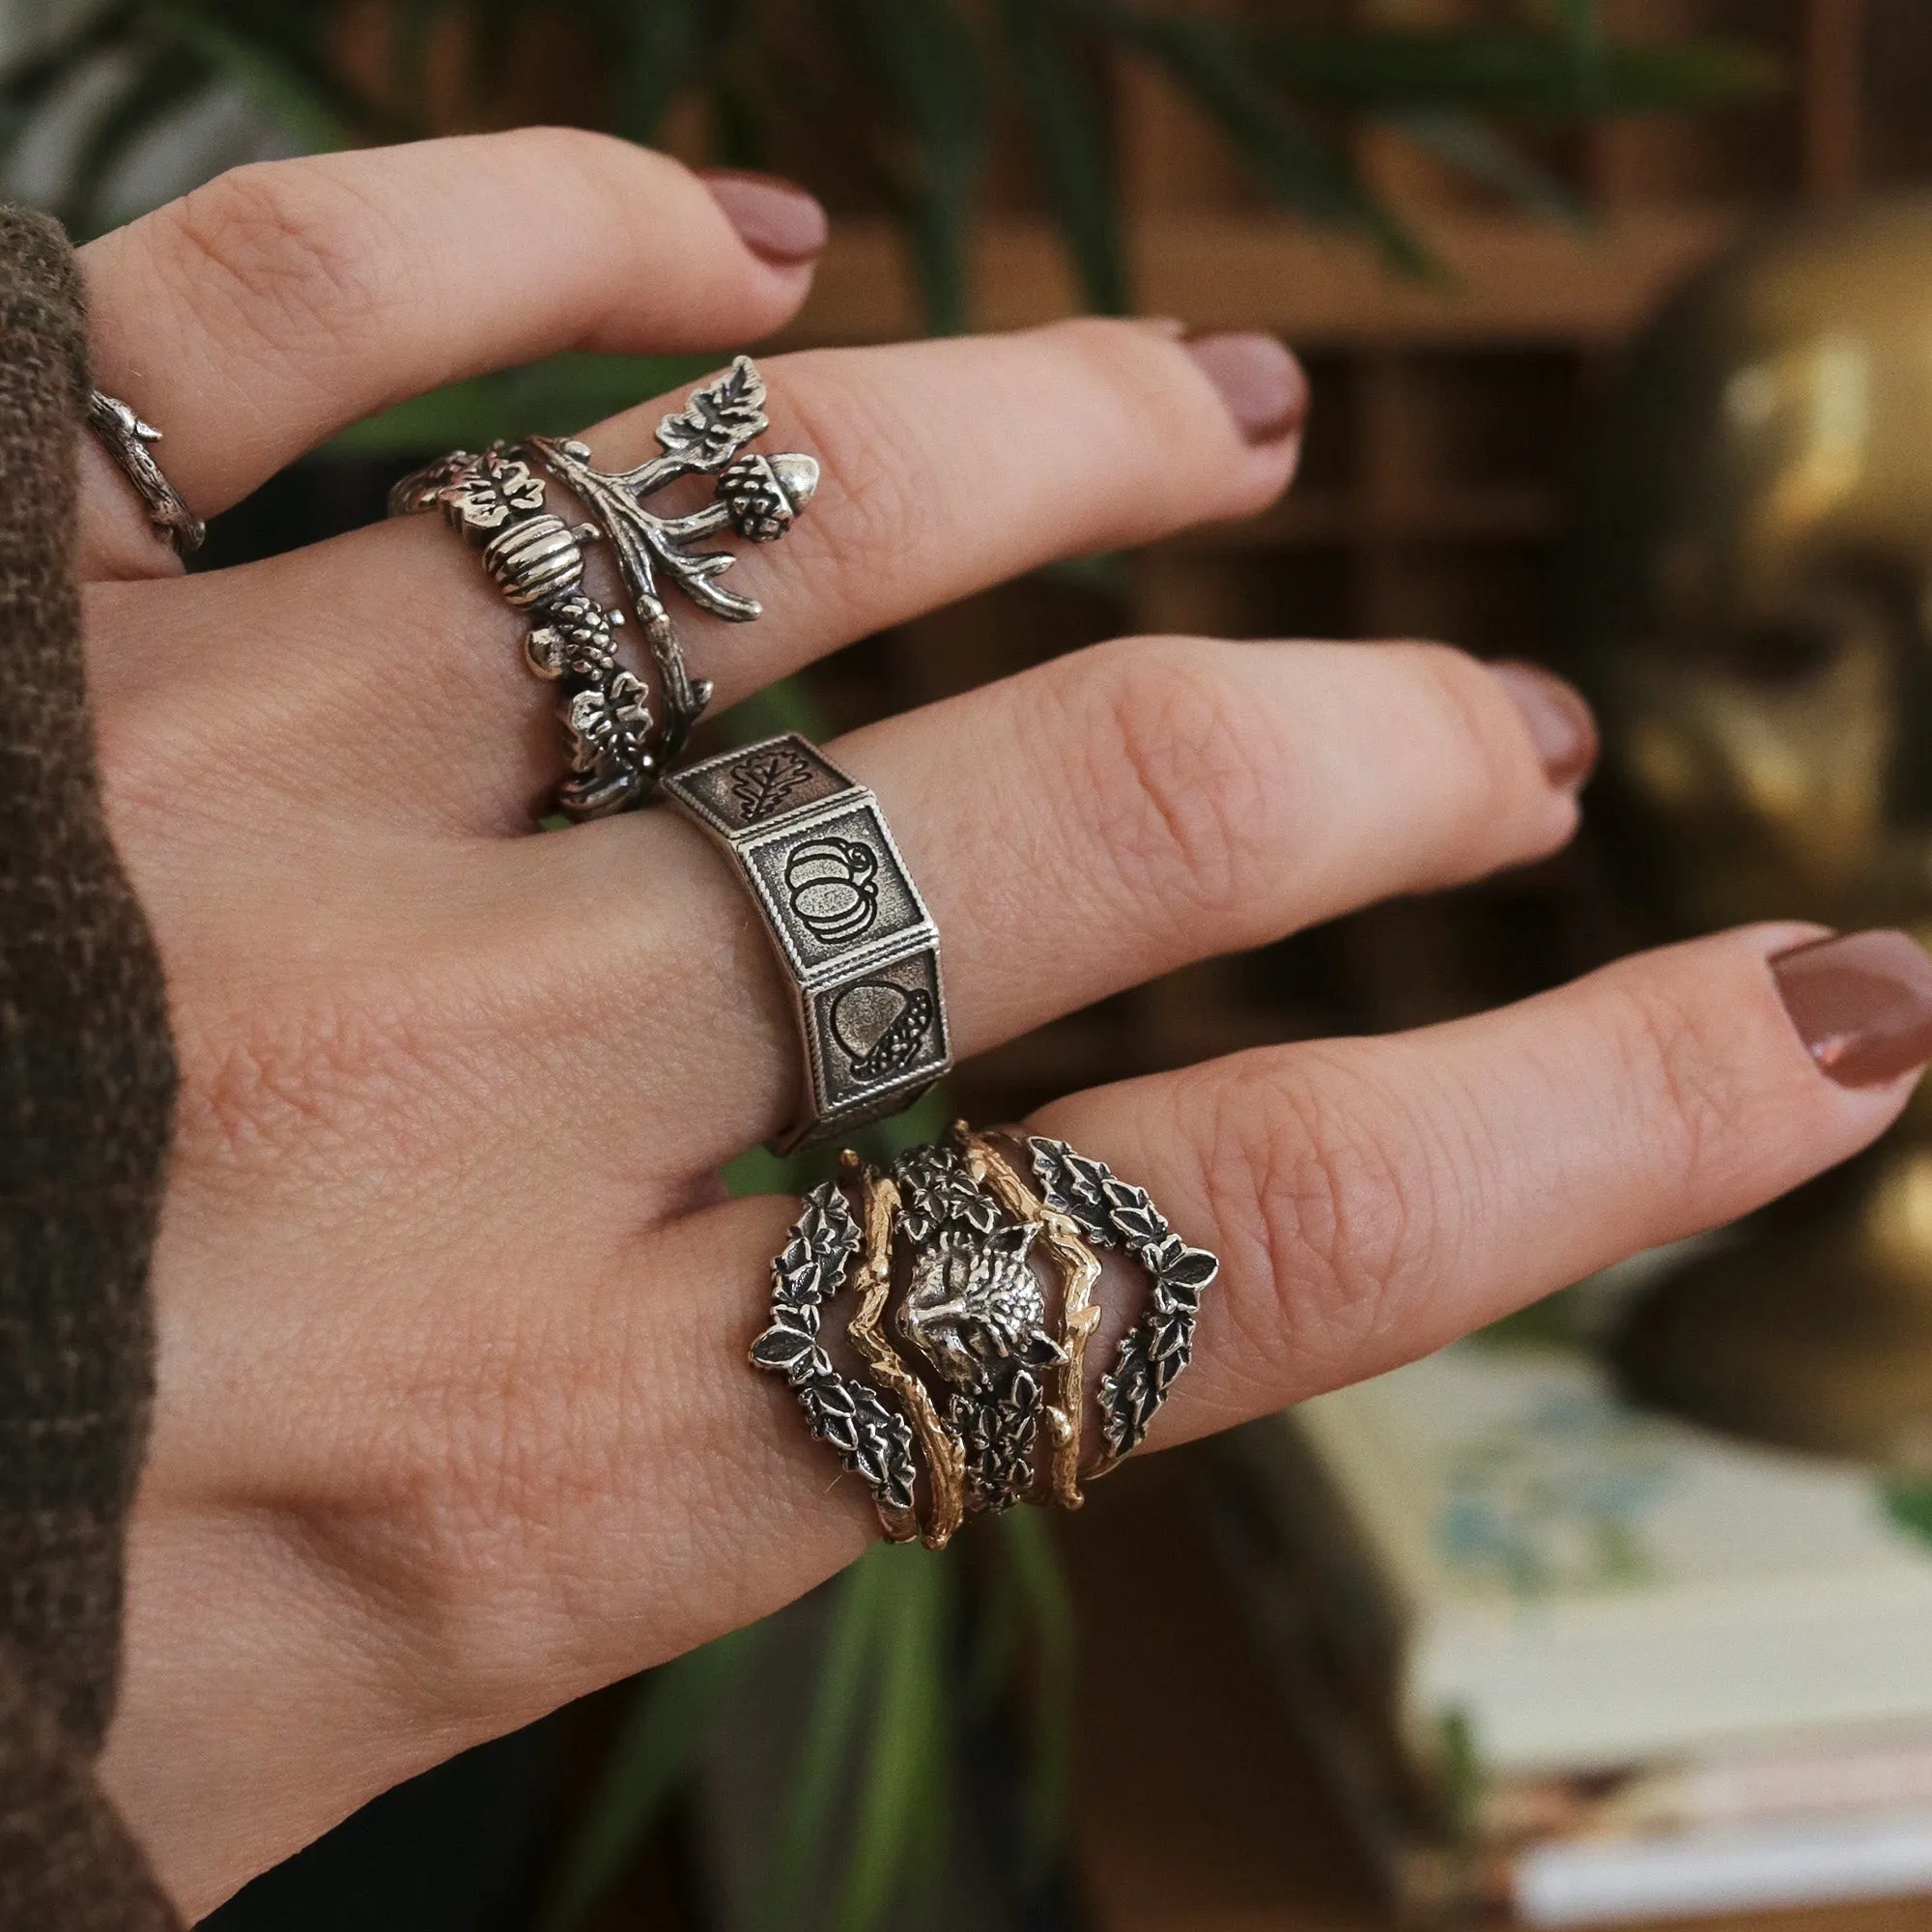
pixel 1448 419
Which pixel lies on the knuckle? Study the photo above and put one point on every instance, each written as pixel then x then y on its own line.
pixel 289 250
pixel 873 518
pixel 311 1078
pixel 1334 1201
pixel 1165 772
pixel 1686 1101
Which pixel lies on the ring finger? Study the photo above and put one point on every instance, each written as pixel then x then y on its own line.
pixel 396 671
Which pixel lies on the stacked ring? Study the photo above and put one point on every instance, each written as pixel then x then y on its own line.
pixel 846 920
pixel 127 439
pixel 618 753
pixel 986 1404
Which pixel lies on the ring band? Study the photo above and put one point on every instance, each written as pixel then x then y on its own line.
pixel 846 920
pixel 1111 1213
pixel 498 502
pixel 994 1307
pixel 125 439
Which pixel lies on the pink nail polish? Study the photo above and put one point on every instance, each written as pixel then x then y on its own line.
pixel 1861 1003
pixel 1561 725
pixel 776 219
pixel 1259 379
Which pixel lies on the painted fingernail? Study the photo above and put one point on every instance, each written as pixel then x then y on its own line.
pixel 1260 381
pixel 775 218
pixel 1561 725
pixel 1861 1003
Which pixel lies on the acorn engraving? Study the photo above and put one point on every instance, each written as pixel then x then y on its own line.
pixel 763 495
pixel 880 1026
pixel 833 884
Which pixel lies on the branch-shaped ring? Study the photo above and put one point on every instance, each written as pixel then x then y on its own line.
pixel 127 439
pixel 617 752
pixel 758 497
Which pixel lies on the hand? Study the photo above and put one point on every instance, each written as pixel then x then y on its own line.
pixel 455 1421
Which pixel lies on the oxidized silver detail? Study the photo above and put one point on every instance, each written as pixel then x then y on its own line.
pixel 976 1311
pixel 845 919
pixel 618 751
pixel 1114 1213
pixel 870 1440
pixel 536 561
pixel 127 439
pixel 496 501
pixel 758 497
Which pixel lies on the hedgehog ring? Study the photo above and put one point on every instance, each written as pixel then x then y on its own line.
pixel 844 917
pixel 973 1263
pixel 619 754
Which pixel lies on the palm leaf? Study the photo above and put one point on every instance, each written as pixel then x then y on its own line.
pixel 556 397
pixel 1038 1583
pixel 45 66
pixel 674 1712
pixel 926 69
pixel 667 47
pixel 1290 159
pixel 1539 76
pixel 411 28
pixel 1466 143
pixel 902 1797
pixel 296 94
pixel 837 1699
pixel 166 79
pixel 1070 137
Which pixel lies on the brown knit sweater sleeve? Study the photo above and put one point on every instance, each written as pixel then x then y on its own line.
pixel 86 1088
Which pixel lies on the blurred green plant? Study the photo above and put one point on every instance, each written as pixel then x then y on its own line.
pixel 914 89
pixel 902 1669
pixel 917 89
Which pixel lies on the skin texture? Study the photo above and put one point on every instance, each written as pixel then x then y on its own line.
pixel 454 1423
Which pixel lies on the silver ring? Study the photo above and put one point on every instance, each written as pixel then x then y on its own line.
pixel 125 439
pixel 870 1440
pixel 974 1391
pixel 618 753
pixel 1114 1213
pixel 495 502
pixel 846 920
pixel 975 1311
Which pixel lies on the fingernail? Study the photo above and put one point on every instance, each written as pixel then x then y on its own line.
pixel 1561 725
pixel 775 218
pixel 1861 1003
pixel 1260 381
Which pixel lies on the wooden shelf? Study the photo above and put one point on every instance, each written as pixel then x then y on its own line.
pixel 1511 278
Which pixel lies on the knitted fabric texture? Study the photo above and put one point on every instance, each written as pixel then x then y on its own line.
pixel 86 1090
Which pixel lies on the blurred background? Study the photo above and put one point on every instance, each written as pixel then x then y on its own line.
pixel 1615 315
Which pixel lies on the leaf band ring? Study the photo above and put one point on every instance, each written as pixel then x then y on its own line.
pixel 619 753
pixel 846 920
pixel 974 1264
pixel 127 439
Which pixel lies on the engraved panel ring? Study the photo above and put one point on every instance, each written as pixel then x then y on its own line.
pixel 846 920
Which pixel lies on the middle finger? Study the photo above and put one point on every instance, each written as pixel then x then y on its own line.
pixel 1076 829
pixel 397 673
